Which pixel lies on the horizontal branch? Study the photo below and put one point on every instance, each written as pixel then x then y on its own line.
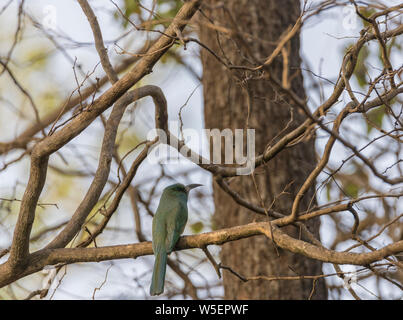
pixel 38 260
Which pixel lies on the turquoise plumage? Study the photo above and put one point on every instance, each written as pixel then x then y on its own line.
pixel 168 224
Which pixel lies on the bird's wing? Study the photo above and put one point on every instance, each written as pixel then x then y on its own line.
pixel 159 230
pixel 175 224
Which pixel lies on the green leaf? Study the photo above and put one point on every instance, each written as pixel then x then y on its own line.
pixel 375 118
pixel 49 99
pixel 165 9
pixel 129 141
pixel 351 189
pixel 37 57
pixel 366 12
pixel 197 227
pixel 328 189
pixel 360 71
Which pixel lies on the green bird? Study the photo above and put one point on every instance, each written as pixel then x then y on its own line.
pixel 168 224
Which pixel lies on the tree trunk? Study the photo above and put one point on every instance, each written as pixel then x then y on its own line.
pixel 226 106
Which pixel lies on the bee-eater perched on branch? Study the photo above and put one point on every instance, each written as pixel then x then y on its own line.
pixel 168 224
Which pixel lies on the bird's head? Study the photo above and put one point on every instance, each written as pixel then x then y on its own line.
pixel 179 188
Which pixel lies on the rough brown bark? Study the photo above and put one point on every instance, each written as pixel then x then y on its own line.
pixel 226 106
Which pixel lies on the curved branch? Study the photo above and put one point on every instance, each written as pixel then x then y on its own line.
pixel 101 176
pixel 43 149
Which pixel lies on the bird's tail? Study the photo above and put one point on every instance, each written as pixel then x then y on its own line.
pixel 158 279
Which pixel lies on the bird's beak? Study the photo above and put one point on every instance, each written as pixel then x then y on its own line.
pixel 192 186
